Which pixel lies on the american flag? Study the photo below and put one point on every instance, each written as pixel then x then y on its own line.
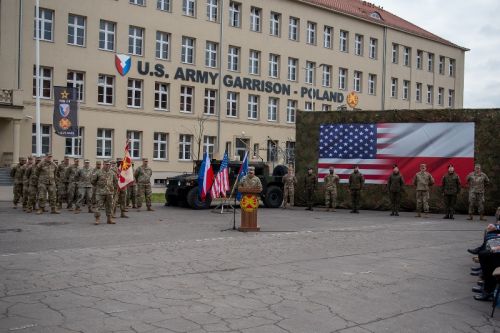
pixel 221 181
pixel 375 148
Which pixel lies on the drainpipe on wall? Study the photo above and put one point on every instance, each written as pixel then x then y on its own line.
pixel 20 44
pixel 219 101
pixel 384 68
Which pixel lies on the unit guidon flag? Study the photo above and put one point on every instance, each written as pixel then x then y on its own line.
pixel 376 147
pixel 65 117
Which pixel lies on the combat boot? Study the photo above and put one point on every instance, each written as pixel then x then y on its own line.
pixel 470 218
pixel 70 208
pixel 44 210
pixel 110 220
pixel 482 218
pixel 91 210
pixel 150 209
pixel 77 210
pixel 15 206
pixel 122 215
pixel 134 206
pixel 29 210
pixel 39 211
pixel 418 215
pixel 97 220
pixel 53 210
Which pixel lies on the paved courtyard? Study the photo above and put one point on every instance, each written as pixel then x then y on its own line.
pixel 174 270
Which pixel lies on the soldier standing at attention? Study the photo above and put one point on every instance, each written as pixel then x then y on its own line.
pixel 104 180
pixel 477 181
pixel 121 194
pixel 17 172
pixel 33 186
pixel 72 186
pixel 451 188
pixel 310 187
pixel 250 180
pixel 331 181
pixel 45 172
pixel 356 182
pixel 395 186
pixel 132 193
pixel 142 177
pixel 289 182
pixel 96 169
pixel 83 178
pixel 62 184
pixel 423 181
pixel 26 182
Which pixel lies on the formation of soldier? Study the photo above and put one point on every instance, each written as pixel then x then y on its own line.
pixel 37 179
pixel 423 181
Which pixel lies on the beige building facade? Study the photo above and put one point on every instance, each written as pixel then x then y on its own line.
pixel 179 77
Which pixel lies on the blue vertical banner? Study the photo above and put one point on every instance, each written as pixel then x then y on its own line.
pixel 65 119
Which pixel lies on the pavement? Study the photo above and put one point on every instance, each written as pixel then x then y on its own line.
pixel 180 270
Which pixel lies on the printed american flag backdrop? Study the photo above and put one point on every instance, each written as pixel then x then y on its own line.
pixel 376 147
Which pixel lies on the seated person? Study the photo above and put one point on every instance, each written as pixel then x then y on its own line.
pixel 489 259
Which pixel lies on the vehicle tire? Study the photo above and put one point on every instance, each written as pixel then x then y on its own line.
pixel 194 200
pixel 280 170
pixel 274 197
pixel 172 200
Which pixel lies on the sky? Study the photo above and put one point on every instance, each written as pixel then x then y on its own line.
pixel 471 24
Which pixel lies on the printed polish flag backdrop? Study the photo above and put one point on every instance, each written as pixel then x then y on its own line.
pixel 376 147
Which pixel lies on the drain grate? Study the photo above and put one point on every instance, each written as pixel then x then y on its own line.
pixel 3 231
pixel 52 223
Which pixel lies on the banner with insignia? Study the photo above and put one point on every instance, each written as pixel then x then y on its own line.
pixel 65 119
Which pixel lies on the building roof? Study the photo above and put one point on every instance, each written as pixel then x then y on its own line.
pixel 369 12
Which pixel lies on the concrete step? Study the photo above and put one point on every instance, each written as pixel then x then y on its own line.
pixel 5 179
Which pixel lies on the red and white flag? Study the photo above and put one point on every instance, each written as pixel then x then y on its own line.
pixel 221 181
pixel 375 148
pixel 125 170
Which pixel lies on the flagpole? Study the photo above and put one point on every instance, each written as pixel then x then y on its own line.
pixel 37 79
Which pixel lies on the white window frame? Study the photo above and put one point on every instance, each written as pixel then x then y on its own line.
pixel 357 79
pixel 344 41
pixel 235 14
pixel 134 93
pixel 255 19
pixel 326 107
pixel 164 5
pixel 135 144
pixel 212 10
pixel 232 104
pixel 407 56
pixel 211 50
pixel 358 44
pixel 440 96
pixel 418 92
pixel 209 145
pixel 272 109
pixel 162 45
pixel 103 83
pixel 293 28
pixel 275 24
pixel 185 147
pixel 420 55
pixel 451 98
pixel 188 50
pixel 75 144
pixel 327 37
pixel 137 2
pixel 394 87
pixel 451 68
pixel 102 139
pixel 253 107
pixel 274 65
pixel 45 23
pixel 189 8
pixel 45 81
pixel 76 30
pixel 372 84
pixel 160 146
pixel 254 62
pixel 343 78
pixel 310 72
pixel 162 92
pixel 107 35
pixel 292 69
pixel 373 48
pixel 406 90
pixel 291 107
pixel 311 32
pixel 430 62
pixel 442 60
pixel 430 94
pixel 326 80
pixel 76 79
pixel 210 102
pixel 187 99
pixel 135 40
pixel 308 106
pixel 46 138
pixel 395 53
pixel 233 58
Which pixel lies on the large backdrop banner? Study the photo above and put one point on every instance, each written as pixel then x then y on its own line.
pixel 375 148
pixel 65 118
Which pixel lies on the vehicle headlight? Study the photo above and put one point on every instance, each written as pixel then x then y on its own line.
pixel 167 182
pixel 179 183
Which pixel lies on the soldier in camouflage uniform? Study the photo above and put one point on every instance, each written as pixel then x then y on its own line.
pixel 104 179
pixel 61 183
pixel 450 189
pixel 142 177
pixel 477 181
pixel 45 172
pixel 96 169
pixel 289 182
pixel 395 185
pixel 33 185
pixel 26 182
pixel 310 187
pixel 83 178
pixel 69 175
pixel 423 181
pixel 17 173
pixel 356 183
pixel 331 181
pixel 121 194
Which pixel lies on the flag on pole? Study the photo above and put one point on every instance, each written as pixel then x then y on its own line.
pixel 375 148
pixel 221 181
pixel 205 178
pixel 242 172
pixel 125 170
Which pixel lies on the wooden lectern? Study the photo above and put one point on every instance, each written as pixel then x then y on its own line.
pixel 249 204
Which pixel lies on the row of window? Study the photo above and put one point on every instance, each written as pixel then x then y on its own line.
pixel 407 55
pixel 104 145
pixel 429 99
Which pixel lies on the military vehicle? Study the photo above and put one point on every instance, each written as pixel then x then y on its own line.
pixel 183 190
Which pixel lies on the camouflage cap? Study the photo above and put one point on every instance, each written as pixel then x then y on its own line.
pixel 66 157
pixel 145 159
pixel 111 161
pixel 22 158
pixel 38 158
pixel 98 162
pixel 107 162
pixel 30 158
pixel 251 168
pixel 48 155
pixel 119 159
pixel 86 161
pixel 56 161
pixel 76 159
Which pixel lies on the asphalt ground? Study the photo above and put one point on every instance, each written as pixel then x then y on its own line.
pixel 180 270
